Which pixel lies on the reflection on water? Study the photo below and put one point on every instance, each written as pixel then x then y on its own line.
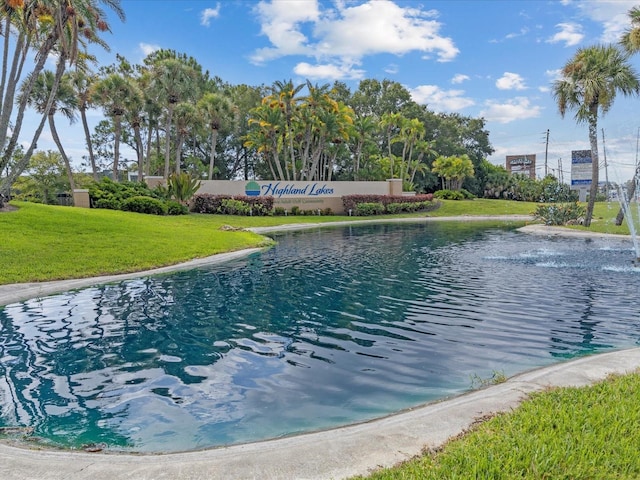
pixel 328 327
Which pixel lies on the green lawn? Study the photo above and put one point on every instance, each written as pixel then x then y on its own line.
pixel 589 433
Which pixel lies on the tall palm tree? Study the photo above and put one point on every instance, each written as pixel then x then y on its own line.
pixel 215 109
pixel 82 81
pixel 287 93
pixel 43 27
pixel 174 81
pixel 186 119
pixel 630 41
pixel 113 93
pixel 589 84
pixel 64 102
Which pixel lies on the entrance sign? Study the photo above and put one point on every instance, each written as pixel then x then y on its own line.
pixel 581 164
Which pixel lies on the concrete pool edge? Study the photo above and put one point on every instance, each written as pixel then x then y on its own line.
pixel 331 454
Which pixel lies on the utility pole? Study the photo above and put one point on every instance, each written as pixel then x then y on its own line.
pixel 560 172
pixel 546 153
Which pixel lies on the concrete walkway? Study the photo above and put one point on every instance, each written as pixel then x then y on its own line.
pixel 332 454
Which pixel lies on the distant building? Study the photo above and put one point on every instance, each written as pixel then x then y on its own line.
pixel 522 165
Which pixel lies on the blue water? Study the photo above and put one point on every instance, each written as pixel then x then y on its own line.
pixel 327 328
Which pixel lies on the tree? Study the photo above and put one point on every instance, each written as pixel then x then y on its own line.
pixel 54 26
pixel 453 170
pixel 589 84
pixel 64 101
pixel 82 82
pixel 114 93
pixel 174 81
pixel 215 109
pixel 630 41
pixel 47 177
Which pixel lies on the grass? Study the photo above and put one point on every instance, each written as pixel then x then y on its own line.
pixel 43 242
pixel 563 433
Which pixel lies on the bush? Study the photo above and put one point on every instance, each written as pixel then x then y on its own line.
pixel 560 213
pixel 367 209
pixel 295 210
pixel 229 206
pixel 207 203
pixel 449 195
pixel 278 211
pixel 176 208
pixel 143 204
pixel 351 202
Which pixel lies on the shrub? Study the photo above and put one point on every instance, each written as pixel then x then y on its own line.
pixel 176 208
pixel 295 210
pixel 229 206
pixel 116 193
pixel 449 195
pixel 278 211
pixel 144 204
pixel 207 203
pixel 350 202
pixel 372 208
pixel 109 202
pixel 560 213
pixel 182 187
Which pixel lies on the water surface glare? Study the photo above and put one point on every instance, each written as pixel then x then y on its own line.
pixel 327 328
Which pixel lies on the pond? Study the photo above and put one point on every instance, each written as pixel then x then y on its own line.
pixel 329 327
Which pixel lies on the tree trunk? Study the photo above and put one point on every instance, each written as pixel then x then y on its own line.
pixel 87 136
pixel 212 155
pixel 167 147
pixel 117 130
pixel 632 193
pixel 65 159
pixel 595 167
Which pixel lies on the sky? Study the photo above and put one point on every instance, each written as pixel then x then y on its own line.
pixel 495 59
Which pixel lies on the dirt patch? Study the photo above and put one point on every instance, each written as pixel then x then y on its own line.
pixel 7 208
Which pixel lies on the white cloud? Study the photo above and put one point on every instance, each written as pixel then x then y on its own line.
pixel 612 14
pixel 459 78
pixel 511 81
pixel 281 23
pixel 148 48
pixel 208 13
pixel 440 100
pixel 519 108
pixel 349 32
pixel 328 71
pixel 570 33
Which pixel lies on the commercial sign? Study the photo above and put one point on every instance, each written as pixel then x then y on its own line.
pixel 522 165
pixel 581 168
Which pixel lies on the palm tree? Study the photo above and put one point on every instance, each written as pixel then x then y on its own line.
pixel 64 102
pixel 286 93
pixel 186 118
pixel 174 81
pixel 589 84
pixel 215 109
pixel 45 27
pixel 82 82
pixel 113 93
pixel 630 41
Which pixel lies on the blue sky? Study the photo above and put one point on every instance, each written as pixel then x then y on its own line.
pixel 494 59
